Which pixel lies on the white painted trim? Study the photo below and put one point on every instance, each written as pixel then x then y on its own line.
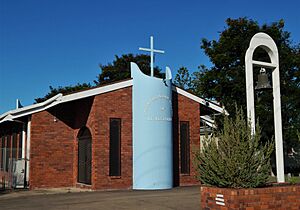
pixel 208 121
pixel 265 42
pixel 28 147
pixel 264 64
pixel 96 91
pixel 23 141
pixel 200 100
pixel 220 199
pixel 26 110
pixel 209 124
pixel 207 118
pixel 7 118
pixel 59 98
pixel 220 203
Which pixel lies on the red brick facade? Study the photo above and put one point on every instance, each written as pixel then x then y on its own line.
pixel 279 197
pixel 116 104
pixel 54 148
pixel 54 144
pixel 185 109
pixel 51 152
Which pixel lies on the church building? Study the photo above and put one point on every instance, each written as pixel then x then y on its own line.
pixel 138 133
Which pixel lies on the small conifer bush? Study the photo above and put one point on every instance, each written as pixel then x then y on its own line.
pixel 234 158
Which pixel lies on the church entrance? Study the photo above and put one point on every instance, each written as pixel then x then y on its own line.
pixel 84 156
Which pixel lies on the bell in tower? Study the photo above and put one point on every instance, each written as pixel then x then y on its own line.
pixel 262 80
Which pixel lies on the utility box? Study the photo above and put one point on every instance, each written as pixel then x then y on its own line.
pixel 19 173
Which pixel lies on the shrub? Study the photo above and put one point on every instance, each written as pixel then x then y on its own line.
pixel 293 180
pixel 233 157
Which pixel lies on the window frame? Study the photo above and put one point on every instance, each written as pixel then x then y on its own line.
pixel 184 148
pixel 115 150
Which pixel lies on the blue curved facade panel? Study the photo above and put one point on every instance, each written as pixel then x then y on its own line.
pixel 152 131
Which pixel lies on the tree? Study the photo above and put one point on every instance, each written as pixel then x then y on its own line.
pixel 233 157
pixel 63 90
pixel 183 79
pixel 225 80
pixel 119 69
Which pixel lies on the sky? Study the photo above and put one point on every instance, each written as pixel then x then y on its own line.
pixel 62 42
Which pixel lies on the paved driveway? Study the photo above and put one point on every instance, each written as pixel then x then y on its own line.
pixel 177 198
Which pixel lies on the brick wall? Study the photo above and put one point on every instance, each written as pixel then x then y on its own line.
pixel 54 147
pixel 278 197
pixel 185 109
pixel 51 152
pixel 116 104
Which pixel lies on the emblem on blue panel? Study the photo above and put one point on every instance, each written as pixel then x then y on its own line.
pixel 159 108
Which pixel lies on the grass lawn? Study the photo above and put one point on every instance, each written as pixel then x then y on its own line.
pixel 292 180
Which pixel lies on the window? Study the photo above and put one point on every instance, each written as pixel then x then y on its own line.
pixel 184 147
pixel 115 147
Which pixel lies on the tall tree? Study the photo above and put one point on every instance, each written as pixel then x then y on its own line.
pixel 225 79
pixel 64 90
pixel 183 79
pixel 119 69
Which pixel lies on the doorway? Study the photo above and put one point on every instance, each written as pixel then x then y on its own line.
pixel 84 156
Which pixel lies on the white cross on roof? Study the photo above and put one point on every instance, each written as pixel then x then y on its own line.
pixel 152 51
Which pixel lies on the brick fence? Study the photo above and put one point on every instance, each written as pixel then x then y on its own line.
pixel 277 197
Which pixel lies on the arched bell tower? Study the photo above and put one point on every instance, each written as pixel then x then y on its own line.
pixel 265 42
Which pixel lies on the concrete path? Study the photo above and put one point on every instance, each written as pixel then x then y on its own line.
pixel 177 198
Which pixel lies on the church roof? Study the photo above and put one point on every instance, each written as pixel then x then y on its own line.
pixel 60 98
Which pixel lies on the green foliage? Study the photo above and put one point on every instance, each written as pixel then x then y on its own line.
pixel 292 160
pixel 183 79
pixel 64 90
pixel 293 180
pixel 289 179
pixel 119 69
pixel 233 157
pixel 225 81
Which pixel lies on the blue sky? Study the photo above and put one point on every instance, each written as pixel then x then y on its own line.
pixel 61 42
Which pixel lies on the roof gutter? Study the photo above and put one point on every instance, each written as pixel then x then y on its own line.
pixel 16 113
pixel 202 101
pixel 59 98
